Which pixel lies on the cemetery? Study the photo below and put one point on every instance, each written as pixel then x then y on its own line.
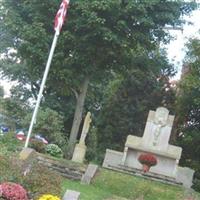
pixel 121 176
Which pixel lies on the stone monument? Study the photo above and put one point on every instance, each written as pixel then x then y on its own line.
pixel 80 148
pixel 155 141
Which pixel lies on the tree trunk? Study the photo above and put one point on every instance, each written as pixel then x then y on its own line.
pixel 78 115
pixel 175 130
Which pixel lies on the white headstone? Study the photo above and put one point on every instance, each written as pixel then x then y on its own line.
pixel 71 195
pixel 89 174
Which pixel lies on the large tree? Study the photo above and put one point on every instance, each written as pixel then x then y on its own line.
pixel 129 99
pixel 100 37
pixel 188 110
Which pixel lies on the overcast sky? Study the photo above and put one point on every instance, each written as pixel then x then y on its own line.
pixel 175 48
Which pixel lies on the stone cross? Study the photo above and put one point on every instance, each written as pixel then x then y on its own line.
pixel 86 127
pixel 160 121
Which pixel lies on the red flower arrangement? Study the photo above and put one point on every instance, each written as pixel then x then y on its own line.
pixel 13 191
pixel 147 160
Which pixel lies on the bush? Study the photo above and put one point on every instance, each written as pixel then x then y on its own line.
pixel 10 171
pixel 54 150
pixel 10 142
pixel 49 124
pixel 41 181
pixel 48 197
pixel 39 146
pixel 13 191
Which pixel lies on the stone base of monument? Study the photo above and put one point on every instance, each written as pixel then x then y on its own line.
pixel 79 153
pixel 113 161
pixel 167 159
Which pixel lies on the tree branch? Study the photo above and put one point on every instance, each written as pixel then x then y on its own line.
pixel 75 92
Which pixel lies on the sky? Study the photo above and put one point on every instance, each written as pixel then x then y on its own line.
pixel 175 49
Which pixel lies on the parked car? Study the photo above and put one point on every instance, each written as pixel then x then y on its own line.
pixel 21 135
pixel 41 138
pixel 4 129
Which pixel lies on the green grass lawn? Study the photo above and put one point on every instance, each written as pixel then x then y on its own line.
pixel 108 184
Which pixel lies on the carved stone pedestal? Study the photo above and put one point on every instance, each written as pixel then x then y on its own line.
pixel 79 153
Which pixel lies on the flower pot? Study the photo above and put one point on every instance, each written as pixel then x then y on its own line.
pixel 145 168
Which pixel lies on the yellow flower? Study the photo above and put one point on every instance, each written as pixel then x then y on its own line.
pixel 48 197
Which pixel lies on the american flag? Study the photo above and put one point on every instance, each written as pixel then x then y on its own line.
pixel 60 16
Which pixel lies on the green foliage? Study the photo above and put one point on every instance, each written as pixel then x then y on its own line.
pixel 14 111
pixel 9 171
pixel 39 146
pixel 54 150
pixel 9 143
pixel 40 180
pixel 91 154
pixel 120 29
pixel 49 124
pixel 128 101
pixel 187 109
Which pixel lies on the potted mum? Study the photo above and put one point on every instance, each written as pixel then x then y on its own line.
pixel 147 160
pixel 12 191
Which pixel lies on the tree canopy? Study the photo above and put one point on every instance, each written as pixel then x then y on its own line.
pixel 188 107
pixel 100 40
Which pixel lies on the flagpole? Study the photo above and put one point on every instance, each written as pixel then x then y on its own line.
pixel 42 87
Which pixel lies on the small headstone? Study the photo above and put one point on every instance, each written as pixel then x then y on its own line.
pixel 89 174
pixel 71 195
pixel 26 153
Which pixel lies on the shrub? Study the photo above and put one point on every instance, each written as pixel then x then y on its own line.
pixel 13 191
pixel 10 171
pixel 41 180
pixel 39 146
pixel 49 123
pixel 54 150
pixel 10 142
pixel 48 197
